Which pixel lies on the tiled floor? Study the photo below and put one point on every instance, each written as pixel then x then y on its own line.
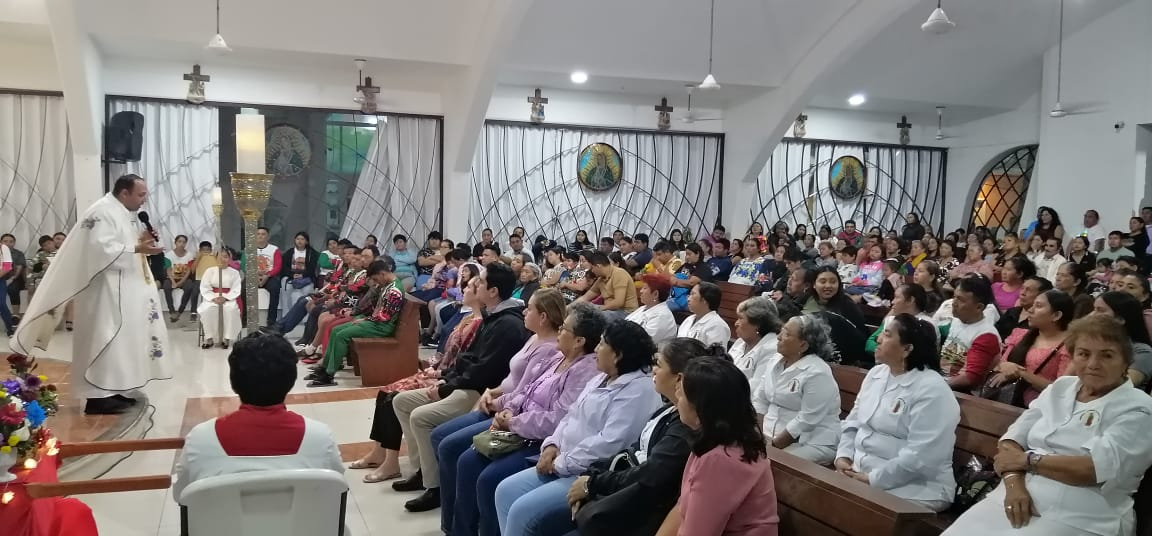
pixel 200 391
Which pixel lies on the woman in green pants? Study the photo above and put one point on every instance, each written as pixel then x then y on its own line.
pixel 380 323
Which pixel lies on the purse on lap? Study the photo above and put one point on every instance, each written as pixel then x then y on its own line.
pixel 495 444
pixel 1012 393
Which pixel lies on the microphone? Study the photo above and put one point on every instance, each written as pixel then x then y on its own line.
pixel 143 218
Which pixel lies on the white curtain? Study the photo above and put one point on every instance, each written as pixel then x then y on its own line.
pixel 794 186
pixel 180 162
pixel 398 191
pixel 37 192
pixel 526 175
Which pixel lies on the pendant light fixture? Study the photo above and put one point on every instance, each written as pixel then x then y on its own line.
pixel 938 22
pixel 217 44
pixel 1058 110
pixel 710 81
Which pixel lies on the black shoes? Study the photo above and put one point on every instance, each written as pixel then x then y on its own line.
pixel 112 405
pixel 429 500
pixel 412 483
pixel 320 379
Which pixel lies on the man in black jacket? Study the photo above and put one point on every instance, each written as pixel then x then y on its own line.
pixel 483 366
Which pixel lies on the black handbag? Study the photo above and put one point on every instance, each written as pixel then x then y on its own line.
pixel 605 515
pixel 1012 393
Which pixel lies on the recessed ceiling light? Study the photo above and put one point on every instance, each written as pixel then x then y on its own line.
pixel 857 99
pixel 579 77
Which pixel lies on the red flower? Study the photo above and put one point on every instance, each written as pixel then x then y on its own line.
pixel 51 387
pixel 10 415
pixel 17 359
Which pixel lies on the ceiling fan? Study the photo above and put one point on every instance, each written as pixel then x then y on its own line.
pixel 690 116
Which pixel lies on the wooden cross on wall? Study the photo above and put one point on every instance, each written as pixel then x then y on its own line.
pixel 537 99
pixel 903 122
pixel 195 75
pixel 663 107
pixel 366 87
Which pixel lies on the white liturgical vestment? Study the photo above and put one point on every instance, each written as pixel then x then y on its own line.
pixel 120 342
pixel 225 285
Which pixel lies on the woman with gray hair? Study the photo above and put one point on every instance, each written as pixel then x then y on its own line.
pixel 529 282
pixel 757 323
pixel 798 399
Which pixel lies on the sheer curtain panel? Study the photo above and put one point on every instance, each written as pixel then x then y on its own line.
pixel 37 192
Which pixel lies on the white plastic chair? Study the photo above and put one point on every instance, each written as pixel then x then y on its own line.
pixel 294 502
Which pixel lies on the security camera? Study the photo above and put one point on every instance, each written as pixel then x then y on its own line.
pixel 1119 125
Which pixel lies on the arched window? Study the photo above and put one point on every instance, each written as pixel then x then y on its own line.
pixel 999 200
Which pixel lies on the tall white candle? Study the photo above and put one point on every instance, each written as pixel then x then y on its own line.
pixel 250 143
pixel 217 196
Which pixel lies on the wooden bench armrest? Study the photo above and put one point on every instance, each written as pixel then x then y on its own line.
pixel 108 485
pixel 841 503
pixel 69 450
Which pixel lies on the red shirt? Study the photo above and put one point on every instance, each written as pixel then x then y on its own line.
pixel 260 431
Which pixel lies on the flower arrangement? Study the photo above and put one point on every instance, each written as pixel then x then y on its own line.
pixel 29 386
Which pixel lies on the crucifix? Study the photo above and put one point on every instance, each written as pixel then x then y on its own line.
pixel 664 121
pixel 800 127
pixel 368 92
pixel 904 127
pixel 538 102
pixel 196 85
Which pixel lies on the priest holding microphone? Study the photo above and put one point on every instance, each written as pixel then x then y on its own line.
pixel 121 340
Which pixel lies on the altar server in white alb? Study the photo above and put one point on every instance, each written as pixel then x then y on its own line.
pixel 120 342
pixel 1072 462
pixel 219 290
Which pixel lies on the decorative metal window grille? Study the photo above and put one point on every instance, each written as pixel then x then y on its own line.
pixel 999 202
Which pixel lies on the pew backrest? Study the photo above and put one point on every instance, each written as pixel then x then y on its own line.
pixel 731 296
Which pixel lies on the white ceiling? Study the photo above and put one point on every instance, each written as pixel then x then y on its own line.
pixel 991 62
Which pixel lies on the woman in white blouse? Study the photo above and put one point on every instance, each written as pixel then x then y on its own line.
pixel 757 323
pixel 653 314
pixel 705 324
pixel 900 433
pixel 1072 461
pixel 798 399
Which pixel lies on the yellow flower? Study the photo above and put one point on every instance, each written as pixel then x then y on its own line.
pixel 5 449
pixel 43 378
pixel 13 440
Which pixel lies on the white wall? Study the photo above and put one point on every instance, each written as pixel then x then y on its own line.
pixel 1083 162
pixel 864 126
pixel 596 109
pixel 308 88
pixel 28 65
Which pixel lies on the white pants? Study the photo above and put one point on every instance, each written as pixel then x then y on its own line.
pixel 813 453
pixel 210 320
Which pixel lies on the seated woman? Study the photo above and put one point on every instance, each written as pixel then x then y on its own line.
pixel 219 290
pixel 1013 273
pixel 753 267
pixel 1124 308
pixel 727 486
pixel 653 313
pixel 1072 461
pixel 610 412
pixel 757 326
pixel 385 432
pixel 901 431
pixel 1036 355
pixel 1137 285
pixel 1072 280
pixel 692 272
pixel 909 299
pixel 633 497
pixel 528 283
pixel 574 280
pixel 1017 317
pixel 531 411
pixel 798 400
pixel 973 263
pixel 705 324
pixel 449 304
pixel 827 294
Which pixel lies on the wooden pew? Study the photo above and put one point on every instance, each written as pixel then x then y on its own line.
pixel 732 295
pixel 382 361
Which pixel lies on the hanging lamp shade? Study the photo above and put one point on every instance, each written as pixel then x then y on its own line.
pixel 937 22
pixel 709 82
pixel 1057 111
pixel 217 45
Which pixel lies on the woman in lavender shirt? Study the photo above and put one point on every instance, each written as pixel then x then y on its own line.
pixel 532 410
pixel 610 414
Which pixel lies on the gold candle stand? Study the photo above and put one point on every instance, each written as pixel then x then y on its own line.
pixel 251 191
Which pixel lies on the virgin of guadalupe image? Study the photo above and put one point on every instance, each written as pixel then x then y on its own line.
pixel 600 172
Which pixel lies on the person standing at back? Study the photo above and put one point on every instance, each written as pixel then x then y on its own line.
pixel 122 343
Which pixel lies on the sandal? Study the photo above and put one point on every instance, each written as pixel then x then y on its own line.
pixel 361 464
pixel 373 479
pixel 207 344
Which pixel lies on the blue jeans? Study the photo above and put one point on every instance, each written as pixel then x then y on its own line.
pixel 448 441
pixel 477 478
pixel 294 316
pixel 531 504
pixel 5 312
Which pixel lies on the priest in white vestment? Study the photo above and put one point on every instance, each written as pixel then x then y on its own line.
pixel 219 311
pixel 120 342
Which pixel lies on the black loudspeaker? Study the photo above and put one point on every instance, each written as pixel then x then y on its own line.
pixel 124 137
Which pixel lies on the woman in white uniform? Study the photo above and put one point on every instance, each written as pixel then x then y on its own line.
pixel 705 324
pixel 1072 461
pixel 757 326
pixel 900 433
pixel 798 399
pixel 653 313
pixel 219 289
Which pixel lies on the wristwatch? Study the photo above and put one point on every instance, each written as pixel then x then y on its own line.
pixel 1033 460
